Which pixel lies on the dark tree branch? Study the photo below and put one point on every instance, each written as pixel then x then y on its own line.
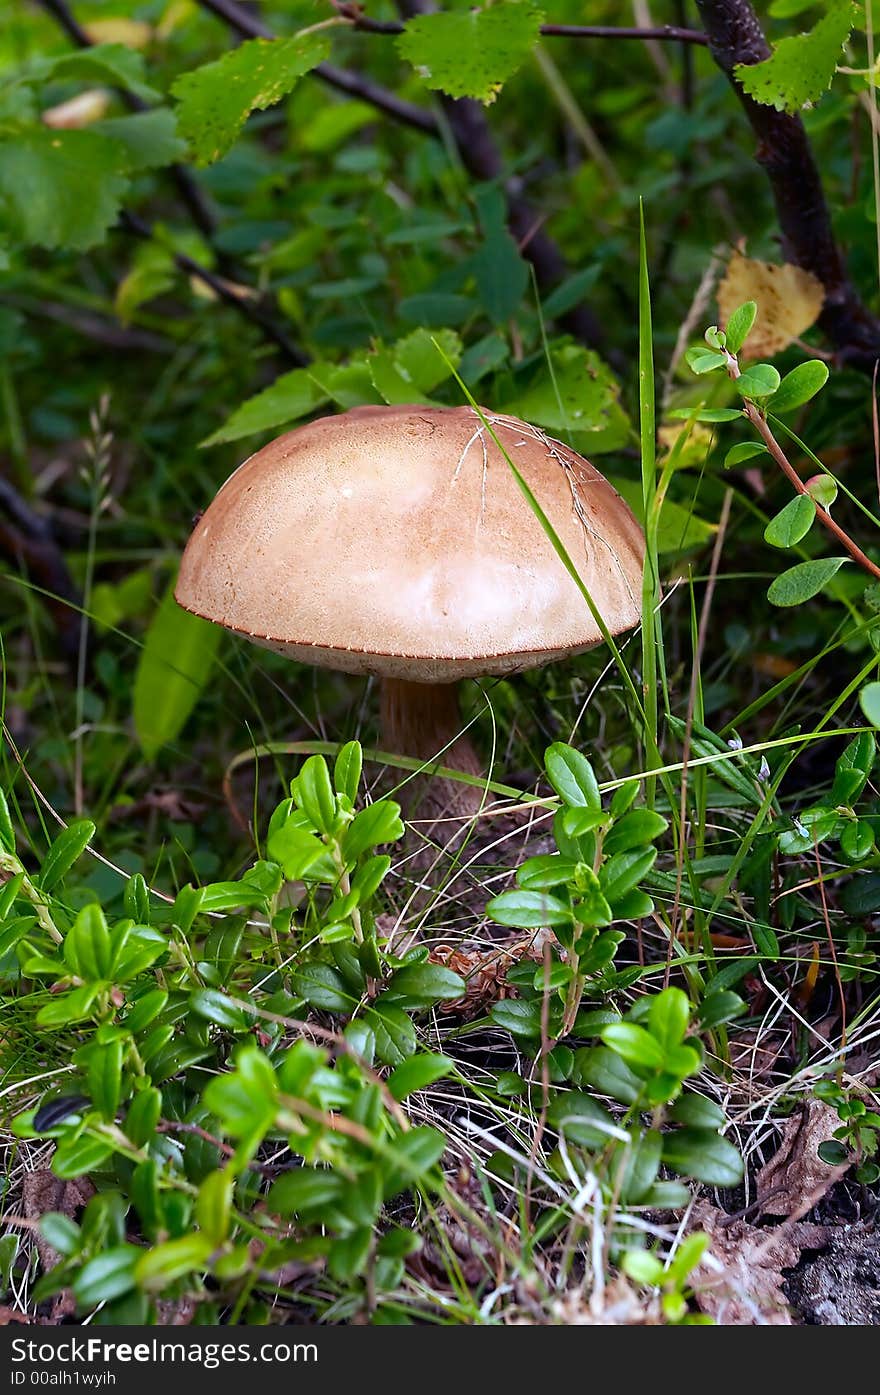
pixel 248 26
pixel 27 539
pixel 735 36
pixel 352 11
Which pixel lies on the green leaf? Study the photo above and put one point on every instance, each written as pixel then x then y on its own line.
pixel 7 833
pixel 798 386
pixel 804 581
pixel 792 523
pixel 70 844
pixel 501 273
pixel 61 1232
pixel 679 529
pixel 581 1118
pixel 77 1156
pixel 714 414
pixel 519 1017
pixel 163 1264
pixel 313 793
pixel 394 1032
pixel 149 138
pixel 106 1276
pixel 347 770
pixel 800 69
pixel 739 326
pixel 418 1073
pixel 305 1190
pixel 214 1205
pixel 173 670
pixel 703 1154
pixel 216 99
pixel 62 188
pixel 215 1007
pixel 637 1047
pixel 576 392
pixel 822 489
pixel 104 1077
pixel 410 369
pixel 528 910
pixel 701 360
pixel 638 827
pixel 377 824
pixel 323 987
pixel 668 1016
pixel 759 380
pixel 471 53
pixel 423 984
pixel 869 701
pixel 290 397
pixel 571 776
pixel 108 65
pixel 746 450
pixel 88 947
pixel 411 1156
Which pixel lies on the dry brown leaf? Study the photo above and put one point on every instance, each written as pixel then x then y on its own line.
pixel 796 1178
pixel 789 301
pixel 749 1292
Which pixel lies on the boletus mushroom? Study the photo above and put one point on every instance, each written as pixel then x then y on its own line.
pixel 396 541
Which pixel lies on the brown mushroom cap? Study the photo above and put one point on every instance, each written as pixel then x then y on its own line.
pixel 396 541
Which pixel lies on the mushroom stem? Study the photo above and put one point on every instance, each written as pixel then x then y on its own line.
pixel 423 720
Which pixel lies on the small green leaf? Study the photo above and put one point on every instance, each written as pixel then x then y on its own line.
pixel 637 1047
pixel 471 53
pixel 746 450
pixel 216 99
pixel 792 523
pixel 804 581
pixel 702 360
pixel 62 188
pixel 739 326
pixel 163 1264
pixel 571 776
pixel 7 833
pixel 106 1276
pixel 418 1073
pixel 823 490
pixel 758 381
pixel 377 824
pixel 528 910
pixel 292 396
pixel 581 1118
pixel 714 414
pixel 70 844
pixel 800 69
pixel 172 673
pixel 799 386
pixel 423 984
pixel 869 701
pixel 703 1154
pixel 347 770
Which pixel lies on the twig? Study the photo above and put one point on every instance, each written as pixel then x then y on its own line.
pixel 762 426
pixel 736 37
pixel 131 223
pixel 358 20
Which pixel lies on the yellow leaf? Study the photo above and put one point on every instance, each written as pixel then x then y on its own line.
pixel 79 111
pixel 134 33
pixel 789 301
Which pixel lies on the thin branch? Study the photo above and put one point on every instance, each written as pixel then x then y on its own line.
pixel 248 26
pixel 735 36
pixel 671 32
pixel 352 11
pixel 245 306
pixel 762 426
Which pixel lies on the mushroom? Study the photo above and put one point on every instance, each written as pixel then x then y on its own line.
pixel 395 541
